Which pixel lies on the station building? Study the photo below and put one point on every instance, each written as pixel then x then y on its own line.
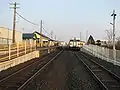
pixel 41 40
pixel 6 35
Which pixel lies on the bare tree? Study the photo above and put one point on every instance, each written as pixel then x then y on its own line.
pixel 51 34
pixel 109 36
pixel 118 38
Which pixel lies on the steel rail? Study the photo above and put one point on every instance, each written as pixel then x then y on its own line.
pixel 110 72
pixel 2 80
pixel 33 76
pixel 112 76
pixel 102 85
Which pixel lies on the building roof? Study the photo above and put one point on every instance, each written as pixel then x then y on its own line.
pixel 44 36
pixel 34 36
pixel 41 35
pixel 28 36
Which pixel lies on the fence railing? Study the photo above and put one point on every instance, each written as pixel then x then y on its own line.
pixel 10 51
pixel 15 54
pixel 103 53
pixel 5 40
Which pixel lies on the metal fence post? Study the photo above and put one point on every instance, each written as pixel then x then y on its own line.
pixel 114 57
pixel 48 50
pixel 93 51
pixel 17 49
pixel 9 50
pixel 35 44
pixel 25 46
pixel 31 42
pixel 108 54
pixel 90 50
pixel 94 48
pixel 103 53
pixel 98 52
pixel 49 47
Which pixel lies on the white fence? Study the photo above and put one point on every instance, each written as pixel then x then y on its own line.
pixel 103 53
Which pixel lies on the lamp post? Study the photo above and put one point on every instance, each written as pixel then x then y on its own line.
pixel 113 24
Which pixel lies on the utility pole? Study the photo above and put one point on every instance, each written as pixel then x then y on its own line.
pixel 41 27
pixel 86 35
pixel 80 36
pixel 41 32
pixel 51 33
pixel 14 19
pixel 55 37
pixel 114 50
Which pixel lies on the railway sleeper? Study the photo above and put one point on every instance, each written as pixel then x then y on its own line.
pixel 10 88
pixel 114 86
pixel 110 82
pixel 99 74
pixel 12 83
pixel 27 74
pixel 94 66
pixel 97 70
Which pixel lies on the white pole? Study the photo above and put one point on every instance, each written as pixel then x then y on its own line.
pixel 114 50
pixel 8 37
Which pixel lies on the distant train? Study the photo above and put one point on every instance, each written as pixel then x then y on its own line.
pixel 75 44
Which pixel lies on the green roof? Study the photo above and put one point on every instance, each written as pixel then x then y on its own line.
pixel 28 36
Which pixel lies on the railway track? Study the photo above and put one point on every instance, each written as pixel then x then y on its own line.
pixel 104 77
pixel 19 79
pixel 67 80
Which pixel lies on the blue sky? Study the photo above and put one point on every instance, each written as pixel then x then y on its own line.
pixel 66 18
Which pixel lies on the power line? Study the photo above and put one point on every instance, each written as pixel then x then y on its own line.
pixel 46 31
pixel 50 34
pixel 26 19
